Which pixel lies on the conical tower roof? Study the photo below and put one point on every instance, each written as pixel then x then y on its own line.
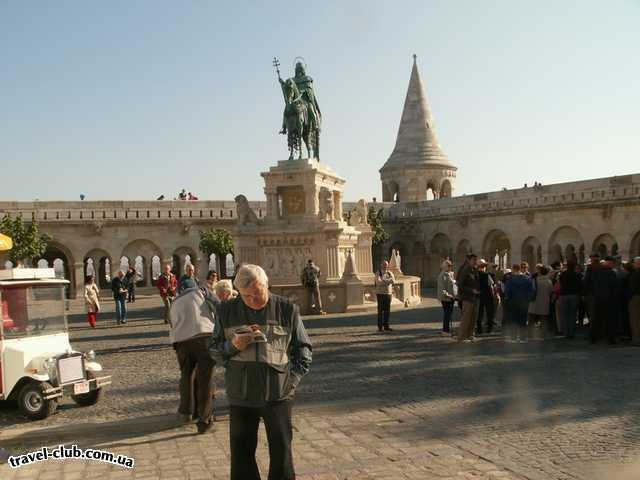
pixel 417 143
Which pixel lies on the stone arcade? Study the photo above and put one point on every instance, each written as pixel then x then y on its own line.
pixel 542 223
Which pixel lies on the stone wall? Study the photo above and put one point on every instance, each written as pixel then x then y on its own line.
pixel 536 224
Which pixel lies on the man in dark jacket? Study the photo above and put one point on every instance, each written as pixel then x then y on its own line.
pixel 261 340
pixel 468 291
pixel 119 289
pixel 605 294
pixel 587 290
pixel 130 281
pixel 486 298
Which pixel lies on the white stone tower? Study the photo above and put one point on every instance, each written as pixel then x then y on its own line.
pixel 417 163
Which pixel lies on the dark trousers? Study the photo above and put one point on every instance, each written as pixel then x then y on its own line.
pixel 196 397
pixel 485 305
pixel 132 295
pixel 384 310
pixel 604 321
pixel 447 307
pixel 569 313
pixel 243 431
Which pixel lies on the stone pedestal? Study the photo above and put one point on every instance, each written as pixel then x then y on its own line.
pixel 305 221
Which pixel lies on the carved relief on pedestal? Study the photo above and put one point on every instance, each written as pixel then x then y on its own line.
pixel 286 263
pixel 293 201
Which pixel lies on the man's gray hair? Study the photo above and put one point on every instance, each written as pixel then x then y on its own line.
pixel 247 274
pixel 636 260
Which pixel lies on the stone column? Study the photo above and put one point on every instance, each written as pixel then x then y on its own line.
pixel 364 260
pixel 77 280
pixel 312 202
pixel 202 267
pixel 333 264
pixel 272 203
pixel 337 200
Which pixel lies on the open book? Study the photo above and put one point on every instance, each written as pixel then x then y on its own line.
pixel 252 331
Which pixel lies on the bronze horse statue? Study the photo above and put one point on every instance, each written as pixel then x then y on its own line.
pixel 296 122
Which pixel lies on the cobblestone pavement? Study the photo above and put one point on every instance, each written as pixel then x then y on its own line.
pixel 409 404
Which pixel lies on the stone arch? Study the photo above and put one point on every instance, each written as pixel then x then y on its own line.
pixel 59 257
pixel 564 240
pixel 414 264
pixel 432 192
pixel 446 190
pixel 213 262
pixel 124 263
pixel 182 256
pixel 532 251
pixel 462 250
pixel 496 248
pixel 102 262
pixel 156 268
pixel 230 265
pixel 390 191
pixel 440 248
pixel 634 248
pixel 140 266
pixel 605 244
pixel 141 251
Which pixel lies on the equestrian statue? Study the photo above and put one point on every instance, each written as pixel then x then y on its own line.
pixel 301 119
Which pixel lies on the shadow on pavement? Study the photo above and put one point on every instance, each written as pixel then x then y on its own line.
pixel 91 433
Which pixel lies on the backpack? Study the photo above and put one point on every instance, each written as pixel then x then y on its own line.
pixel 309 277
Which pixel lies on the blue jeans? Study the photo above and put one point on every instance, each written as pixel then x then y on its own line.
pixel 448 313
pixel 569 313
pixel 121 309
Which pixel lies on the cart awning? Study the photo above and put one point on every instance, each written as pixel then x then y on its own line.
pixel 5 243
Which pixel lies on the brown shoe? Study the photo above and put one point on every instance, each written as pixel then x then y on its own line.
pixel 204 427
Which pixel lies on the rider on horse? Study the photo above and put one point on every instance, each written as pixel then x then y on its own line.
pixel 305 85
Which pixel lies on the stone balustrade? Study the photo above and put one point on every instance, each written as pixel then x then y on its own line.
pixel 126 210
pixel 561 195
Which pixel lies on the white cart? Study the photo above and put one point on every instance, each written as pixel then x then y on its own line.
pixel 37 364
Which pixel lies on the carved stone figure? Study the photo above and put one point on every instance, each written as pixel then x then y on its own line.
pixel 359 214
pixel 245 214
pixel 326 204
pixel 395 262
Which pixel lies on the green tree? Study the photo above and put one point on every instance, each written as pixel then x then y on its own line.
pixel 220 243
pixel 374 218
pixel 28 242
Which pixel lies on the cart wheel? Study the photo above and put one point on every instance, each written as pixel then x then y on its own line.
pixel 90 398
pixel 32 402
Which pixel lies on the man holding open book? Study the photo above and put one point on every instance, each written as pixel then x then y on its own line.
pixel 262 342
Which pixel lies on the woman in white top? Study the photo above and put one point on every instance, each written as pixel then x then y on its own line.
pixel 447 291
pixel 92 299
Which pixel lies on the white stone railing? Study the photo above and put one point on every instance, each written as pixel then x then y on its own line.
pixel 96 211
pixel 601 191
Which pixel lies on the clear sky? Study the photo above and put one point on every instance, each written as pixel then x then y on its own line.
pixel 130 99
